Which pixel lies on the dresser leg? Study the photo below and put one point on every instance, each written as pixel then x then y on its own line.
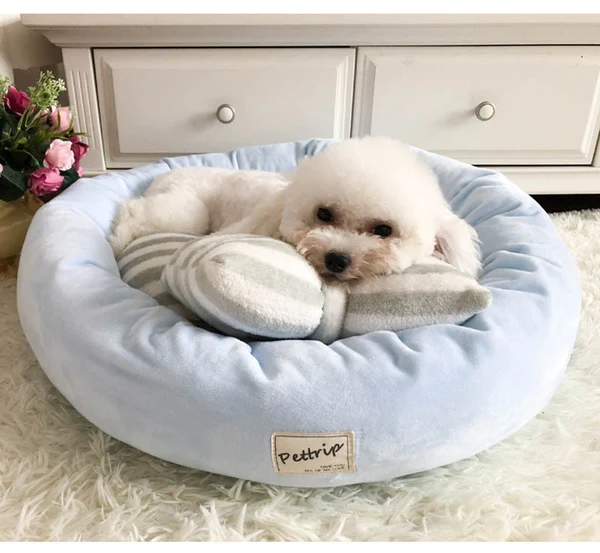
pixel 81 86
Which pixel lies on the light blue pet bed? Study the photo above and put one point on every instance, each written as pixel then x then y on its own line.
pixel 395 403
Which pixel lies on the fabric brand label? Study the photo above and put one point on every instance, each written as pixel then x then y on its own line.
pixel 313 453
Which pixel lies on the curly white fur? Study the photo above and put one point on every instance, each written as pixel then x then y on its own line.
pixel 363 184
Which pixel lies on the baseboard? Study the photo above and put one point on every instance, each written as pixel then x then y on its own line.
pixel 556 203
pixel 554 180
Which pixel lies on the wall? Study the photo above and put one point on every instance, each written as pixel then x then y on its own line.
pixel 5 64
pixel 23 49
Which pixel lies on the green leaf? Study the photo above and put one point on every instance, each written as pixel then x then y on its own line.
pixel 70 177
pixel 4 84
pixel 46 91
pixel 4 129
pixel 19 160
pixel 12 184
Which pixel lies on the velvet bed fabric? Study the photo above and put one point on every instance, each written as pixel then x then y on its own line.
pixel 415 400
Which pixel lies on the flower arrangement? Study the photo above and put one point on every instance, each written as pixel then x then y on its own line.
pixel 40 154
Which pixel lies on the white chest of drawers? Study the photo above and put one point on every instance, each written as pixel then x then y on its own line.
pixel 518 93
pixel 157 102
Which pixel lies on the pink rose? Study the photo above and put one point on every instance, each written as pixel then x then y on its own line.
pixel 45 181
pixel 59 155
pixel 16 101
pixel 60 119
pixel 1 169
pixel 79 148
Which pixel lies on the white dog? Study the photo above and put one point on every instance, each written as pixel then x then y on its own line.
pixel 360 208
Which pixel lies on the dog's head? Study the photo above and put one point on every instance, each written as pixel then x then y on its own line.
pixel 363 207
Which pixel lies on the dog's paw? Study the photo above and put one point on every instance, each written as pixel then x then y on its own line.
pixel 127 227
pixel 118 242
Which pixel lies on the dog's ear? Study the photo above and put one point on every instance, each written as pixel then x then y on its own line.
pixel 457 244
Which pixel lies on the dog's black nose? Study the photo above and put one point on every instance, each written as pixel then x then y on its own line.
pixel 337 262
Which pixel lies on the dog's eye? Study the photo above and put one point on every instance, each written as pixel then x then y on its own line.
pixel 382 230
pixel 324 215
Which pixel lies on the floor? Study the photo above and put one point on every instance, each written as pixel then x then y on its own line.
pixel 63 479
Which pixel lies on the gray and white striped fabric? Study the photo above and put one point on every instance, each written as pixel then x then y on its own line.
pixel 430 292
pixel 254 287
pixel 142 262
pixel 247 286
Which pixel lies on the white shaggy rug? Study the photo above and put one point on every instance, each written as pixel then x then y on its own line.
pixel 62 479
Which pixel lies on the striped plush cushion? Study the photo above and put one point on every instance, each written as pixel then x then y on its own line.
pixel 431 292
pixel 247 286
pixel 256 287
pixel 141 265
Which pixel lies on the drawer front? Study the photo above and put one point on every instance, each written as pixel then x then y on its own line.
pixel 546 101
pixel 165 102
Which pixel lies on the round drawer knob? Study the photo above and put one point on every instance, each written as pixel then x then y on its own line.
pixel 485 111
pixel 225 113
